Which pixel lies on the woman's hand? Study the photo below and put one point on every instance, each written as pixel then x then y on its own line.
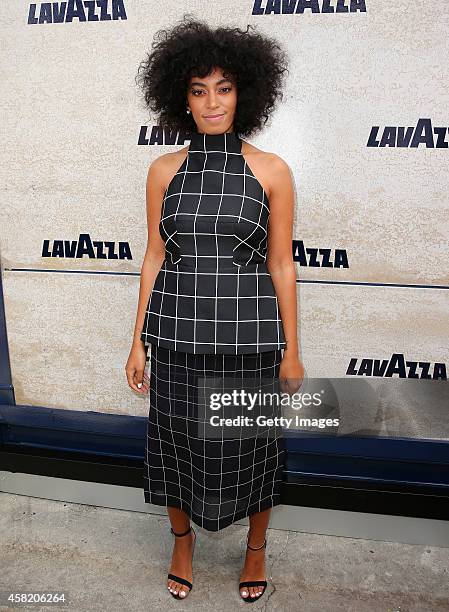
pixel 135 369
pixel 291 373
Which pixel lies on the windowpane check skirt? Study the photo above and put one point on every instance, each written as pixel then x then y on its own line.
pixel 218 473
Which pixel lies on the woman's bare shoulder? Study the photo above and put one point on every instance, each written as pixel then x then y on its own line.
pixel 165 166
pixel 264 165
pixel 264 156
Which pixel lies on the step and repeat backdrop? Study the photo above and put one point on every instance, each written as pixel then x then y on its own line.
pixel 364 128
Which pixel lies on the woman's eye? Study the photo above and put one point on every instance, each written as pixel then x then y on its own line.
pixel 198 91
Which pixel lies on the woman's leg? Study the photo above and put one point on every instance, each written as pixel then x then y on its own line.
pixel 181 563
pixel 254 568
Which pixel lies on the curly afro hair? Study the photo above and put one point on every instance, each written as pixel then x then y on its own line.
pixel 191 48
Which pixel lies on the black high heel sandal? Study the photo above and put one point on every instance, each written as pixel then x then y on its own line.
pixel 178 578
pixel 252 583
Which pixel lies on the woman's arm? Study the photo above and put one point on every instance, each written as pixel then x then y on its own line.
pixel 280 262
pixel 155 251
pixel 281 266
pixel 154 256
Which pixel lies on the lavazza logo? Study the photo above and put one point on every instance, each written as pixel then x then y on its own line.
pixel 86 247
pixel 82 10
pixel 431 137
pixel 319 258
pixel 397 366
pixel 157 135
pixel 290 7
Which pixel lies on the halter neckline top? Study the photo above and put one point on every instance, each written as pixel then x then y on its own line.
pixel 226 142
pixel 214 293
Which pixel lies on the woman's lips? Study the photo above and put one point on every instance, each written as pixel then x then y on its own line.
pixel 214 118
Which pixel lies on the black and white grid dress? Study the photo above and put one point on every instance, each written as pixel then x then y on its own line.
pixel 213 319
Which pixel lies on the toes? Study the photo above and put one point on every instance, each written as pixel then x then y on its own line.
pixel 251 591
pixel 178 588
pixel 173 587
pixel 255 591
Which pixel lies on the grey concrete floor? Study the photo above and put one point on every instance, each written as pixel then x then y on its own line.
pixel 115 560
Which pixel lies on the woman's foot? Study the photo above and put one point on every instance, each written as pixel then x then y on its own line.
pixel 181 563
pixel 253 569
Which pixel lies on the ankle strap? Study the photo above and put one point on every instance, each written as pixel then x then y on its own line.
pixel 178 535
pixel 259 547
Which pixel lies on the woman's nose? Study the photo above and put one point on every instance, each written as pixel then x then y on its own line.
pixel 212 100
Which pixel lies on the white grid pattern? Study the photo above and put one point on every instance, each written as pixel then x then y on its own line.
pixel 213 293
pixel 215 480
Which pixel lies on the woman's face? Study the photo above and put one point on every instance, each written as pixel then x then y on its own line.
pixel 211 95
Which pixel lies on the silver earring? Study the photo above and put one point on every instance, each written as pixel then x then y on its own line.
pixel 188 111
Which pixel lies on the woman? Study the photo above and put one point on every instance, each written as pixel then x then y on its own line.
pixel 217 291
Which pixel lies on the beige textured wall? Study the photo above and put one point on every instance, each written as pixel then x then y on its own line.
pixel 71 165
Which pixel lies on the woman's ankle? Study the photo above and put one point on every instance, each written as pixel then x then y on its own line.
pixel 257 542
